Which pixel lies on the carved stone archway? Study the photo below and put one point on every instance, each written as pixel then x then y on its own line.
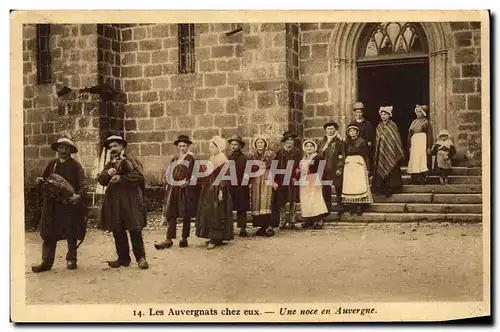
pixel 343 50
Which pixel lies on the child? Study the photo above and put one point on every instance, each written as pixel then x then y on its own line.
pixel 356 187
pixel 444 150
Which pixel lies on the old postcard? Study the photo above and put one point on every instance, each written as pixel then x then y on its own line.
pixel 218 166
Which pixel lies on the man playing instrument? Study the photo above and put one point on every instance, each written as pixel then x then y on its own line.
pixel 63 219
pixel 123 207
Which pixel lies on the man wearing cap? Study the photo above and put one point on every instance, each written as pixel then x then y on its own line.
pixel 179 202
pixel 63 220
pixel 123 208
pixel 366 129
pixel 331 148
pixel 240 193
pixel 287 192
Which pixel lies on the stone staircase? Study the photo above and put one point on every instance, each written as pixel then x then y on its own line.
pixel 459 201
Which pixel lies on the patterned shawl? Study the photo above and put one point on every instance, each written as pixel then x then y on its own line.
pixel 389 150
pixel 266 156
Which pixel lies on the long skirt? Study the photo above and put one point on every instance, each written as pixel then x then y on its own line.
pixel 262 194
pixel 312 203
pixel 261 202
pixel 418 154
pixel 356 184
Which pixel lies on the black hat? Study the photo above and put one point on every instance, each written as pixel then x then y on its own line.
pixel 289 134
pixel 331 123
pixel 182 138
pixel 237 138
pixel 115 138
pixel 64 141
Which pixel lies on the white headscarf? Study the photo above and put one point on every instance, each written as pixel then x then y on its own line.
pixel 421 108
pixel 309 156
pixel 263 138
pixel 219 158
pixel 386 109
pixel 447 142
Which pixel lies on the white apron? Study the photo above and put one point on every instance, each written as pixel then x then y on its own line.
pixel 356 186
pixel 312 203
pixel 418 154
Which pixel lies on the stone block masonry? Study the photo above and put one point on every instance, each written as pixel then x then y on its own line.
pixel 465 96
pixel 315 77
pixel 266 79
pixel 162 103
pixel 83 55
pixel 222 97
pixel 46 117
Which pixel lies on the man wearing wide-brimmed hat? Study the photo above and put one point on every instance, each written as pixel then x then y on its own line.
pixel 287 192
pixel 240 193
pixel 123 207
pixel 62 220
pixel 180 201
pixel 332 151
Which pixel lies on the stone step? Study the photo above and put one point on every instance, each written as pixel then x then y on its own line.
pixel 458 199
pixel 369 217
pixel 444 208
pixel 454 179
pixel 421 208
pixel 380 217
pixel 444 189
pixel 430 198
pixel 404 198
pixel 456 170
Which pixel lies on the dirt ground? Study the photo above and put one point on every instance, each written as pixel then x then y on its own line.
pixel 340 263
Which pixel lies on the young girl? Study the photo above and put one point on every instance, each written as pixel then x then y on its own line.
pixel 312 204
pixel 444 150
pixel 356 186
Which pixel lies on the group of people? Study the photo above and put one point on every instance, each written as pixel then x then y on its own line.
pixel 269 194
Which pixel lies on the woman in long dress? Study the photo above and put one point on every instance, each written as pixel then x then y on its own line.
pixel 389 154
pixel 420 143
pixel 214 218
pixel 312 204
pixel 261 189
pixel 356 191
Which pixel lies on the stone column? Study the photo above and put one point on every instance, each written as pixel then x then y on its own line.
pixel 438 90
pixel 344 90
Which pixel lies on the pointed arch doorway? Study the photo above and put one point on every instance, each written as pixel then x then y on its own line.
pixel 346 46
pixel 393 69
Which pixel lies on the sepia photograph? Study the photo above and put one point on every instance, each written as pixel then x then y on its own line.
pixel 250 166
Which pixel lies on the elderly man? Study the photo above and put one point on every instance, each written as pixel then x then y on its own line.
pixel 61 219
pixel 123 207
